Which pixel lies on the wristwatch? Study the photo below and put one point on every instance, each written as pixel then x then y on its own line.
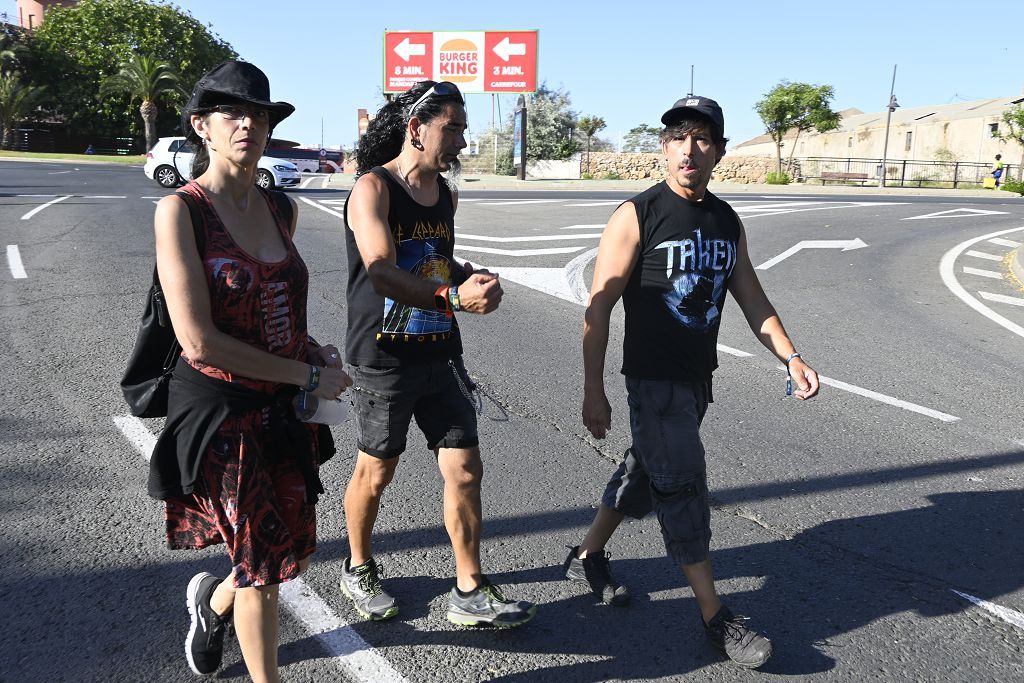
pixel 453 297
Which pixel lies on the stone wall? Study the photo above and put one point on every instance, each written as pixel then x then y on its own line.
pixel 731 169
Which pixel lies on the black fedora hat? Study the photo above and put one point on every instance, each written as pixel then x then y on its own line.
pixel 233 82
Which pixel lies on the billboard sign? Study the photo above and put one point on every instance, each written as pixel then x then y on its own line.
pixel 477 61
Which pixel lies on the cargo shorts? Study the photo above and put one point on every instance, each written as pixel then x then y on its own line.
pixel 665 471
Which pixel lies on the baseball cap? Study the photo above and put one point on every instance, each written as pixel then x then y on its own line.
pixel 696 104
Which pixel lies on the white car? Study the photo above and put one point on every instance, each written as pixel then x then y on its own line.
pixel 169 163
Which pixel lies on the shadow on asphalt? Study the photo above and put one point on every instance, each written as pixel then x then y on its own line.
pixel 818 588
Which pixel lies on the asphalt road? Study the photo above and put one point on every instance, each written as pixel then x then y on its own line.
pixel 842 526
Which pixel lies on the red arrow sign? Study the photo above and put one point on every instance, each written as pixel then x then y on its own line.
pixel 510 61
pixel 408 59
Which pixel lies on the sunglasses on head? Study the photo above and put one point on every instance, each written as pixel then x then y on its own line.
pixel 442 89
pixel 236 112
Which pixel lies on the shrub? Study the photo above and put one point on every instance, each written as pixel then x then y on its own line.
pixel 1014 186
pixel 586 175
pixel 777 178
pixel 612 175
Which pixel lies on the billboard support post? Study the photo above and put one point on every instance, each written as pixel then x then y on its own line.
pixel 519 139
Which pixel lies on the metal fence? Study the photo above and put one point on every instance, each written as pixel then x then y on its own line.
pixel 900 173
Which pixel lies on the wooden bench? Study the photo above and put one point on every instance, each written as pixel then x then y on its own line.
pixel 846 176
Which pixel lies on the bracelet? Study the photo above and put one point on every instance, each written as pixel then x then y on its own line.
pixel 441 302
pixel 314 378
pixel 791 357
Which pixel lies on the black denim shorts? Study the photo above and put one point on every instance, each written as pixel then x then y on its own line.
pixel 435 393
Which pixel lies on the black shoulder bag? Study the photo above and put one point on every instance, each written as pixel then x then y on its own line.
pixel 156 351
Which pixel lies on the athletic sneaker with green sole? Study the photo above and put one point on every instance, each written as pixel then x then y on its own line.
pixel 362 585
pixel 743 646
pixel 487 606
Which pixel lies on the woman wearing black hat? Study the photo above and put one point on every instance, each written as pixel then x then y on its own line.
pixel 233 464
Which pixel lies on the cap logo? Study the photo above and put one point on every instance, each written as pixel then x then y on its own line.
pixel 692 103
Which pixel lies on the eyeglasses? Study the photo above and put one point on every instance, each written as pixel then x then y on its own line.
pixel 234 112
pixel 444 89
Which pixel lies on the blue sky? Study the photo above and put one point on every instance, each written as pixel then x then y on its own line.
pixel 628 61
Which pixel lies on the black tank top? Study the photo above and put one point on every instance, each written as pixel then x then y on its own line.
pixel 675 294
pixel 383 332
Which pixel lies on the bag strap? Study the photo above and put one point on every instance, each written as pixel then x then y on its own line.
pixel 197 219
pixel 284 209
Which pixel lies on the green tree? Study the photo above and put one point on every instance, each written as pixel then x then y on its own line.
pixel 796 105
pixel 589 125
pixel 642 138
pixel 550 121
pixel 144 78
pixel 1013 118
pixel 17 101
pixel 82 45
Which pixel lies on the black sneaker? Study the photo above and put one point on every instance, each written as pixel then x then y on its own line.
pixel 363 586
pixel 204 645
pixel 593 571
pixel 487 606
pixel 743 646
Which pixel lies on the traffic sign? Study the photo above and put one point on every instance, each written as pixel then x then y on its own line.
pixel 477 61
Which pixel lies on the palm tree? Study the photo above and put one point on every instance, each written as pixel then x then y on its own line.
pixel 17 101
pixel 589 125
pixel 143 77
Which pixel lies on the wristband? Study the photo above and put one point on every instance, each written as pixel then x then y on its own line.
pixel 314 378
pixel 791 357
pixel 453 298
pixel 441 302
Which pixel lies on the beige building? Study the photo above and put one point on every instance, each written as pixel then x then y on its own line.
pixel 948 132
pixel 31 12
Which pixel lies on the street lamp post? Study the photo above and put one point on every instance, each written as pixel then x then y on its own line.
pixel 888 117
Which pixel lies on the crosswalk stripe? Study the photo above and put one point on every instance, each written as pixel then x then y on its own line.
pixel 983 273
pixel 1002 298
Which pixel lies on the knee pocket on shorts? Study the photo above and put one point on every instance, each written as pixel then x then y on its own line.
pixel 682 507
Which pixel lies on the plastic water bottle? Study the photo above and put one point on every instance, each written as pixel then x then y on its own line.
pixel 310 408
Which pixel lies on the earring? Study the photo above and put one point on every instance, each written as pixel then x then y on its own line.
pixel 417 144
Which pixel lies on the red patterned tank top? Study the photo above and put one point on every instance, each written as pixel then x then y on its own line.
pixel 260 303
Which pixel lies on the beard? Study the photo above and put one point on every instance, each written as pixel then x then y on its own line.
pixel 453 176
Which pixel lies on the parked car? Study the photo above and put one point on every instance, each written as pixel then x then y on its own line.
pixel 169 163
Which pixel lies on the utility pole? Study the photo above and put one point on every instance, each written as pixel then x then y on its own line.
pixel 690 94
pixel 888 117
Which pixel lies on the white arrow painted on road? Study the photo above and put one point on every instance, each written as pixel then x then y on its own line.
pixel 845 245
pixel 507 48
pixel 956 213
pixel 407 48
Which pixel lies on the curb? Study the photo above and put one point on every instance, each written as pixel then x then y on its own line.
pixel 1016 269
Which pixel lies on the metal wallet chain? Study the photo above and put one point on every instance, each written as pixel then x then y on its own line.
pixel 474 397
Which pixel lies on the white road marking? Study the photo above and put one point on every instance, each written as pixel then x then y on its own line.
pixel 1002 298
pixel 734 352
pixel 307 181
pixel 39 208
pixel 551 281
pixel 889 400
pixel 519 252
pixel 956 213
pixel 616 203
pixel 323 208
pixel 514 202
pixel 150 197
pixel 37 195
pixel 949 278
pixel 350 652
pixel 104 196
pixel 845 245
pixel 851 205
pixel 536 238
pixel 574 274
pixel 1008 615
pixel 1004 242
pixel 59 172
pixel 995 275
pixel 333 202
pixel 590 226
pixel 14 262
pixel 984 255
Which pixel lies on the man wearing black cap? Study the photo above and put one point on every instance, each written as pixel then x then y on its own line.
pixel 671 253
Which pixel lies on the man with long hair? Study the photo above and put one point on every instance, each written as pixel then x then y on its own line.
pixel 404 344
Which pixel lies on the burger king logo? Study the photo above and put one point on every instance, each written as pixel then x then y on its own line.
pixel 459 61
